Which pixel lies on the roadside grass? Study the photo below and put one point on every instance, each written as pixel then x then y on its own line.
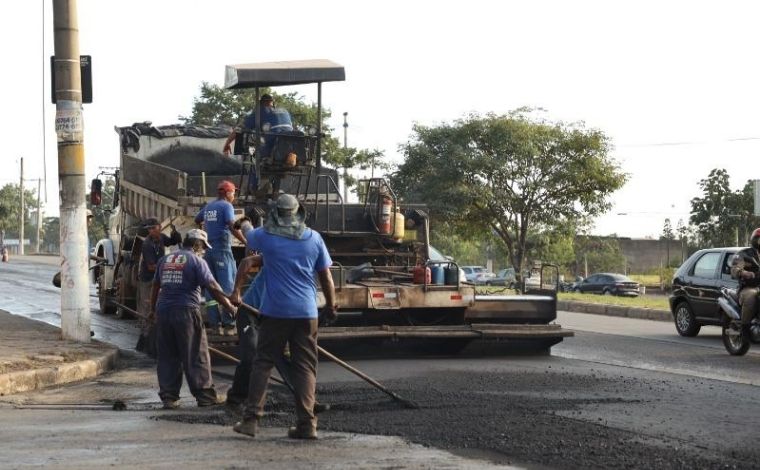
pixel 659 302
pixel 646 279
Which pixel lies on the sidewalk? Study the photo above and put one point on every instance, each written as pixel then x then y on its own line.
pixel 33 355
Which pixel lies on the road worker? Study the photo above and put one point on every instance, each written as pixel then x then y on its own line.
pixel 218 218
pixel 153 249
pixel 293 254
pixel 181 339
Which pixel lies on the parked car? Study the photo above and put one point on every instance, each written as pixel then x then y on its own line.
pixel 477 274
pixel 505 277
pixel 531 280
pixel 609 284
pixel 696 289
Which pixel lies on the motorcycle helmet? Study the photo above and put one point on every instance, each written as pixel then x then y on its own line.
pixel 754 240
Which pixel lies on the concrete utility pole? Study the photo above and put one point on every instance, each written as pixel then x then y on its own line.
pixel 21 214
pixel 345 167
pixel 69 128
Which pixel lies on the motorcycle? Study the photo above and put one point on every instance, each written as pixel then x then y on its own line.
pixel 736 340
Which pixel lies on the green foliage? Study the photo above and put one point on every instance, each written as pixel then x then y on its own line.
pixel 51 234
pixel 10 208
pixel 600 254
pixel 509 175
pixel 720 212
pixel 554 245
pixel 465 251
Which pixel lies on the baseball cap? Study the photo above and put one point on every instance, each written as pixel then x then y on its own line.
pixel 89 213
pixel 266 97
pixel 198 234
pixel 226 186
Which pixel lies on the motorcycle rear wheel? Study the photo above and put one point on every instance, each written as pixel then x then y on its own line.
pixel 736 343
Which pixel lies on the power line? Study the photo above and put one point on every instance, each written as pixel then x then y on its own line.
pixel 674 144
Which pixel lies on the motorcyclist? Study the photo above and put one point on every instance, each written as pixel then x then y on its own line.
pixel 745 267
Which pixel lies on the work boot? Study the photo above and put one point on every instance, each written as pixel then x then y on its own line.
pixel 170 404
pixel 217 400
pixel 303 432
pixel 219 330
pixel 247 426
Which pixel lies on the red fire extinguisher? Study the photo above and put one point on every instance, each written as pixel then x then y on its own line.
pixel 384 222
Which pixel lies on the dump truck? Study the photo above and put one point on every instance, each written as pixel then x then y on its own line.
pixel 392 286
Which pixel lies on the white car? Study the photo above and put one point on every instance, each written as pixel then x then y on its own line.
pixel 478 274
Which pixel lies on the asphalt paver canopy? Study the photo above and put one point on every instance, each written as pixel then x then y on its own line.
pixel 295 72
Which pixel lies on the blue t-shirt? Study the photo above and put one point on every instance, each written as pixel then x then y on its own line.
pixel 181 274
pixel 216 216
pixel 278 119
pixel 290 289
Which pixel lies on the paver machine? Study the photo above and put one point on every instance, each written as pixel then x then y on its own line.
pixel 391 285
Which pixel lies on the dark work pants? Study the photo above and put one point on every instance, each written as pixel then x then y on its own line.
pixel 182 344
pixel 238 392
pixel 246 352
pixel 274 333
pixel 748 298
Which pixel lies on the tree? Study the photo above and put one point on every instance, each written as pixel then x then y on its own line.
pixel 219 106
pixel 667 235
pixel 682 232
pixel 51 234
pixel 10 208
pixel 721 215
pixel 598 254
pixel 509 174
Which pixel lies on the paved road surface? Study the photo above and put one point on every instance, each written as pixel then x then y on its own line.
pixel 623 393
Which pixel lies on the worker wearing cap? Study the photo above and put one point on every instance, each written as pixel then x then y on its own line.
pixel 181 339
pixel 218 218
pixel 294 254
pixel 153 249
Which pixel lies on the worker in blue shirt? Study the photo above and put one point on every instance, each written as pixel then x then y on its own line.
pixel 274 120
pixel 181 339
pixel 218 218
pixel 294 254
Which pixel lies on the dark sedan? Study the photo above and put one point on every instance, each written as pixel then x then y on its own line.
pixel 696 288
pixel 608 284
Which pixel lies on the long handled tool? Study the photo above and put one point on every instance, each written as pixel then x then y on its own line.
pixel 407 403
pixel 235 360
pixel 219 353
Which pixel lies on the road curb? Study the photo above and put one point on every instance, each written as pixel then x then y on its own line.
pixel 27 380
pixel 615 310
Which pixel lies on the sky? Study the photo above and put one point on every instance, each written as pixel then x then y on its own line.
pixel 673 84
